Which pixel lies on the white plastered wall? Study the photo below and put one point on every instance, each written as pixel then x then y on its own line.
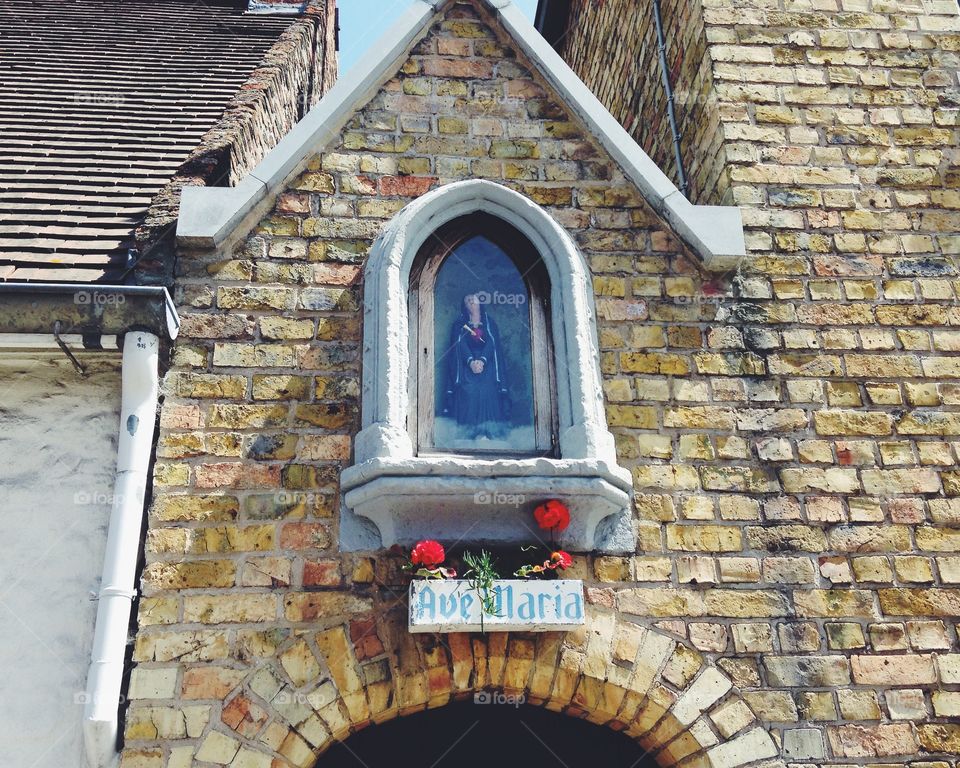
pixel 58 435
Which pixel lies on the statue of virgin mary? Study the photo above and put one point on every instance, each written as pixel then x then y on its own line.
pixel 477 398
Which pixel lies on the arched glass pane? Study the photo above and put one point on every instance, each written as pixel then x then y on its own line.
pixel 484 371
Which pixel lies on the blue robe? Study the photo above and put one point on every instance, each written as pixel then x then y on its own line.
pixel 478 402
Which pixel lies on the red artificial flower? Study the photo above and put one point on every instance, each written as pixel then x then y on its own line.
pixel 428 553
pixel 552 516
pixel 560 559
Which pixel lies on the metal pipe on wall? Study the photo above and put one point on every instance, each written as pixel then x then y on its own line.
pixel 668 87
pixel 138 410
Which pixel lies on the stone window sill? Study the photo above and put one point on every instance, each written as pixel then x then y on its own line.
pixel 491 501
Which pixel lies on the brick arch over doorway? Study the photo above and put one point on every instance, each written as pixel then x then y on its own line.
pixel 296 700
pixel 487 729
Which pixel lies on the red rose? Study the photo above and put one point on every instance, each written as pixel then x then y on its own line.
pixel 552 516
pixel 428 553
pixel 561 559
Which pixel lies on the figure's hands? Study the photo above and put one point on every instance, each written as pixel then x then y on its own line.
pixel 476 366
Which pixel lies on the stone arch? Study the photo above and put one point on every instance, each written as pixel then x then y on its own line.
pixel 324 685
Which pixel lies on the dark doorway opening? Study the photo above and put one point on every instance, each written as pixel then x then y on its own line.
pixel 487 735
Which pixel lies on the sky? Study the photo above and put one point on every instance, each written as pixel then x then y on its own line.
pixel 362 22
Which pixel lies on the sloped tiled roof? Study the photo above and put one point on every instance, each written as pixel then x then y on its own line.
pixel 100 103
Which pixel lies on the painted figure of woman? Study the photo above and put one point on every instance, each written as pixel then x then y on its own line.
pixel 477 398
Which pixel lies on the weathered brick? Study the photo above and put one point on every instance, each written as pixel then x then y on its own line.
pixel 870 538
pixel 893 670
pixel 281 387
pixel 920 602
pixel 834 603
pixel 247 416
pixel 779 538
pixel 872 741
pixel 743 604
pixel 199 575
pixel 184 507
pixel 703 538
pixel 929 423
pixel 237 475
pixel 940 737
pixel 310 606
pixel 226 609
pixel 884 482
pixel 286 328
pixel 233 355
pixel 852 423
pixel 249 297
pixel 808 671
pixel 200 385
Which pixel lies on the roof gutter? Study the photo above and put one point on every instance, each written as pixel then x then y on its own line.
pixel 90 311
pixel 95 316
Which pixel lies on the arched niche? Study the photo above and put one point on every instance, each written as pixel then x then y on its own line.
pixel 408 495
pixel 480 256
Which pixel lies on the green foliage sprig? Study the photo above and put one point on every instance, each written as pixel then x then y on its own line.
pixel 481 574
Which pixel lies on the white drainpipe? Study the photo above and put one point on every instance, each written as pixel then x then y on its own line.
pixel 138 409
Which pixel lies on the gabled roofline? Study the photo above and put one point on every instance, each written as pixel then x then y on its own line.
pixel 209 215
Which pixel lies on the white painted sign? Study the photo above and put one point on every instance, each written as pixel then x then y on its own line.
pixel 530 606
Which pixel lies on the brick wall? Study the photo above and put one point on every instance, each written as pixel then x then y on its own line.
pixel 791 429
pixel 612 46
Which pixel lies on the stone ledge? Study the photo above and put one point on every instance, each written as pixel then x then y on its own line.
pixel 490 502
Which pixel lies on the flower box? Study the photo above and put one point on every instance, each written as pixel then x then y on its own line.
pixel 528 605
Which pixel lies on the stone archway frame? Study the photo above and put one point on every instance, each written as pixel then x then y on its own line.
pixel 615 674
pixel 408 496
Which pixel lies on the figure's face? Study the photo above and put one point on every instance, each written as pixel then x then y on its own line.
pixel 471 302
